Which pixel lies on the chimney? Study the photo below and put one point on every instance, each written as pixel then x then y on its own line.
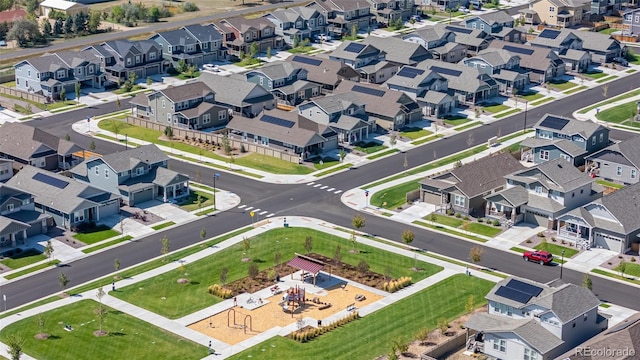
pixel 325 70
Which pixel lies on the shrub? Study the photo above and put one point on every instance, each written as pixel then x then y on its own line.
pixel 541 234
pixel 466 218
pixel 633 259
pixel 480 220
pixel 458 215
pixel 496 222
pixel 528 241
pixel 553 238
pixel 450 212
pixel 190 7
pixel 219 291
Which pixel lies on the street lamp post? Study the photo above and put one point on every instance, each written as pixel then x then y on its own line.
pixel 561 262
pixel 215 176
pixel 524 126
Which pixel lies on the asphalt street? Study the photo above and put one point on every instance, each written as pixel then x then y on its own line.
pixel 300 200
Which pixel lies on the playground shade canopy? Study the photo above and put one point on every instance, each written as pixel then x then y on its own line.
pixel 306 264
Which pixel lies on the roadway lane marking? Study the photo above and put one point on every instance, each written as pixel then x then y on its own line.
pixel 249 208
pixel 311 183
pixel 331 189
pixel 241 206
pixel 316 185
pixel 256 210
pixel 338 192
pixel 270 215
pixel 262 213
pixel 324 187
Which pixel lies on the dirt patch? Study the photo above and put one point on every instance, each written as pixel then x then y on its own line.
pixel 350 272
pixel 262 280
pixel 182 281
pixel 42 336
pixel 99 333
pixel 552 238
pixel 613 262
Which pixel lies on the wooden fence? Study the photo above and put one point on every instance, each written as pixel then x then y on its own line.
pixel 215 138
pixel 6 77
pixel 453 344
pixel 41 99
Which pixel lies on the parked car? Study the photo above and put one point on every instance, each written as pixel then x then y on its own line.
pixel 211 67
pixel 620 60
pixel 416 18
pixel 322 38
pixel 542 257
pixel 464 9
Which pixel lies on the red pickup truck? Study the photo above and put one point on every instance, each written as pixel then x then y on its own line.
pixel 542 257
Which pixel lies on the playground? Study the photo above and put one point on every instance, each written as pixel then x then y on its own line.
pixel 271 307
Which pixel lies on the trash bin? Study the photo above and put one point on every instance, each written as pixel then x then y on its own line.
pixel 319 323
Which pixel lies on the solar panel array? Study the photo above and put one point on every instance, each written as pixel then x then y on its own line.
pixel 410 72
pixel 277 121
pixel 518 50
pixel 308 61
pixel 459 29
pixel 524 287
pixel 446 71
pixel 368 91
pixel 513 294
pixel 549 34
pixel 50 180
pixel 354 47
pixel 553 122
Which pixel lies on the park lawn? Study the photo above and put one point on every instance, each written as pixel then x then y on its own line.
pixel 190 203
pixel 327 162
pixel 96 234
pixel 415 133
pixel 556 250
pixel 370 336
pixel 563 85
pixel 183 299
pixel 495 108
pixel 446 220
pixel 26 257
pixel 485 230
pixel 370 147
pixel 130 337
pixel 163 225
pixel 617 98
pixel 531 96
pixel 272 165
pixel 632 269
pixel 595 74
pixel 618 114
pixel 456 121
pixel 609 184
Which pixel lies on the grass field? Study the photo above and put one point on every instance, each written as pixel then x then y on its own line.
pixel 445 220
pixel 107 244
pixel 618 114
pixel 455 121
pixel 26 257
pixel 507 113
pixel 382 153
pixel 531 96
pixel 99 233
pixel 632 269
pixel 163 225
pixel 595 74
pixel 368 338
pixel 485 230
pixel 608 78
pixel 563 85
pixel 164 296
pixel 129 337
pixel 332 170
pixel 609 184
pixel 370 147
pixel 574 90
pixel 495 108
pixel 556 250
pixel 415 133
pixel 327 162
pixel 542 101
pixel 615 276
pixel 449 231
pixel 272 165
pixel 31 269
pixel 617 98
pixel 190 203
pixel 468 126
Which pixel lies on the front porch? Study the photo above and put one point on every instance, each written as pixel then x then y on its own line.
pixel 173 191
pixel 575 231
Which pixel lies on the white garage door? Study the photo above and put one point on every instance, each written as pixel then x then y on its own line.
pixel 109 209
pixel 536 218
pixel 607 241
pixel 431 198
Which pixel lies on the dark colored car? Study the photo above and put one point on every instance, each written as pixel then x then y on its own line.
pixel 542 257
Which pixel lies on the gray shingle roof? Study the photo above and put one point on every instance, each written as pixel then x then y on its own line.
pixel 469 80
pixel 515 196
pixel 629 148
pixel 10 226
pixel 337 102
pixel 278 70
pixel 567 146
pixel 399 51
pixel 123 160
pixel 624 204
pixel 187 91
pixel 387 105
pixel 540 59
pixel 204 33
pixel 178 37
pixel 47 63
pixel 496 57
pixel 366 51
pixel 233 91
pixel 416 82
pixel 496 17
pixel 23 141
pixel 328 72
pixel 558 174
pixel 573 127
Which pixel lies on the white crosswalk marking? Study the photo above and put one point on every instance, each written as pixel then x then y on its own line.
pixel 262 213
pixel 256 210
pixel 331 189
pixel 338 192
pixel 249 208
pixel 324 187
pixel 270 215
pixel 311 183
pixel 316 185
pixel 241 206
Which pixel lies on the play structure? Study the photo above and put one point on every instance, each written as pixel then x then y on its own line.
pixel 237 325
pixel 292 298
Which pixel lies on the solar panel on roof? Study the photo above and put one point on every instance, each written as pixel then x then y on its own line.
pixel 459 29
pixel 446 71
pixel 518 50
pixel 308 61
pixel 368 91
pixel 354 47
pixel 553 122
pixel 277 121
pixel 410 72
pixel 50 180
pixel 513 294
pixel 549 34
pixel 524 287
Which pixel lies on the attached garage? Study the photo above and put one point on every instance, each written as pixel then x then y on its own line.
pixel 431 198
pixel 607 241
pixel 536 218
pixel 109 209
pixel 35 228
pixel 142 196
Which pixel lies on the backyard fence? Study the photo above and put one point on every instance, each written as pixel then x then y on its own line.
pixel 41 99
pixel 451 345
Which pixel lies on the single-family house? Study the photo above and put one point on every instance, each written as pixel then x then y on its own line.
pixel 568 139
pixel 69 8
pixel 12 15
pixel 27 145
pixel 240 96
pixel 388 11
pixel 324 72
pixel 121 58
pixel 297 23
pixel 18 217
pixel 284 130
pixel 602 48
pixel 427 87
pixel 631 22
pixel 492 22
pixel 463 189
pixel 188 106
pixel 539 195
pixel 389 109
pixel 238 33
pixel 6 169
pixel 619 162
pixel 468 85
pixel 286 81
pixel 502 66
pixel 194 44
pixel 531 320
pixel 343 15
pixel 69 202
pixel 366 59
pixel 541 64
pixel 344 113
pixel 610 222
pixel 605 7
pixel 441 42
pixel 473 39
pixel 398 51
pixel 135 175
pixel 557 13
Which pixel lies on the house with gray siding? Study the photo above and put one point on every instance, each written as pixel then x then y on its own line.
pixel 297 23
pixel 531 320
pixel 631 21
pixel 134 175
pixel 68 201
pixel 468 85
pixel 27 145
pixel 388 11
pixel 539 195
pixel 238 33
pixel 343 15
pixel 492 23
pixel 398 51
pixel 502 66
pixel 440 39
pixel 610 222
pixel 119 58
pixel 461 190
pixel 601 47
pixel 426 87
pixel 366 59
pixel 619 162
pixel 566 138
pixel 238 95
pixel 6 169
pixel 195 44
pixel 324 72
pixel 541 64
pixel 18 217
pixel 286 81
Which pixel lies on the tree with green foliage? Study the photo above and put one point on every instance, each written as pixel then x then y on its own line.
pixel 149 81
pixel 181 66
pixel 342 155
pixel 63 280
pixel 32 6
pixel 47 29
pixel 408 236
pixel 6 4
pixel 308 244
pixel 168 132
pixel 93 24
pixel 79 23
pixel 117 13
pixel 24 31
pixel 77 90
pixel 622 267
pixel 48 250
pixel 165 247
pixel 470 305
pixel 67 137
pixel 354 32
pixel 358 221
pixel 63 94
pixel 475 254
pixel 254 49
pixel 153 15
pixel 586 282
pixel 253 270
pixel 15 342
pixel 68 25
pixel 57 27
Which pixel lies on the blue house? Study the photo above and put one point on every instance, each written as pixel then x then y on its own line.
pixel 285 81
pixel 297 23
pixel 569 139
pixel 491 23
pixel 195 44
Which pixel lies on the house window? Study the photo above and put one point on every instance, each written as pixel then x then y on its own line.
pixel 26 201
pixel 90 69
pixel 267 32
pixel 163 104
pixel 301 94
pixel 138 59
pixel 206 118
pixel 552 9
pixel 168 118
pixel 538 189
pixel 458 200
pixel 79 71
pixel 530 354
pixel 79 218
pixel 566 157
pixel 544 135
pixel 61 74
pixel 637 18
pixel 593 140
pixel 544 154
pixel 140 171
pixel 128 61
pixel 106 173
pixel 10 207
pixel 633 173
pixel 152 56
pixel 97 171
pixel 482 26
pixel 265 141
pixel 222 114
pixel 261 81
pixel 619 171
pixel 500 345
pixel 205 45
pixel 29 73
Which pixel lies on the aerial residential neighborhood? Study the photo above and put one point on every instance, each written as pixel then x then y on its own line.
pixel 326 179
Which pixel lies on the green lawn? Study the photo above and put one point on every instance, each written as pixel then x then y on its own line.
pixel 495 108
pixel 31 269
pixel 618 114
pixel 485 230
pixel 446 220
pixel 190 203
pixel 383 153
pixel 182 299
pixel 556 250
pixel 369 337
pixel 617 98
pixel 106 244
pixel 123 91
pixel 10 84
pixel 327 162
pixel 301 49
pixel 184 76
pixel 332 170
pixel 425 140
pixel 415 133
pixel 456 120
pixel 272 165
pixel 506 113
pixel 369 147
pixel 632 269
pixel 562 85
pixel 531 96
pixel 26 257
pixel 609 184
pixel 61 104
pixel 96 234
pixel 517 249
pixel 394 196
pixel 595 74
pixel 129 337
pixel 248 61
pixel 163 225
pixel 608 78
pixel 469 125
pixel 608 31
pixel 633 58
pixel 615 276
pixel 449 231
pixel 574 90
pixel 542 101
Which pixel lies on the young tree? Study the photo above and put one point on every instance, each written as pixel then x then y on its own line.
pixel 408 236
pixel 67 137
pixel 63 94
pixel 337 256
pixel 63 280
pixel 586 282
pixel 308 245
pixel 48 250
pixel 605 90
pixel 622 267
pixel 79 23
pixel 15 343
pixel 443 326
pixel 363 268
pixel 342 155
pixel 393 139
pixel 57 27
pixel 118 103
pixel 470 140
pixel 68 25
pixel 246 244
pixel 470 305
pixel 100 312
pixel 116 126
pixel 269 52
pixel 200 200
pixel 116 264
pixel 253 270
pixel 254 49
pixel 77 90
pixel 40 322
pixel 92 146
pixel 165 248
pixel 203 234
pixel 358 221
pixel 354 32
pixel 168 132
pixel 223 275
pixel 476 254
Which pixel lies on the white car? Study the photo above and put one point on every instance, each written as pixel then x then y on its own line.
pixel 211 67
